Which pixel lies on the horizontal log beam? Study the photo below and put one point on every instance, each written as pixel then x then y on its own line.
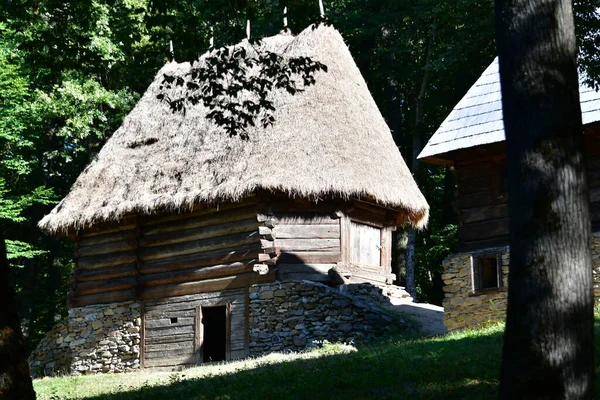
pixel 307 231
pixel 209 285
pixel 123 271
pixel 196 274
pixel 197 221
pixel 204 232
pixel 104 286
pixel 105 260
pixel 197 260
pixel 101 298
pixel 199 246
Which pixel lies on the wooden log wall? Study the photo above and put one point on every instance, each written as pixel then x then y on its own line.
pixel 172 330
pixel 482 205
pixel 150 257
pixel 307 239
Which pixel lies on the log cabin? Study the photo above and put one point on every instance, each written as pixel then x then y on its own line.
pixel 185 236
pixel 471 140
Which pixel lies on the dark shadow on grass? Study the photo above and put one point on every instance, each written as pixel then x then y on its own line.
pixel 465 368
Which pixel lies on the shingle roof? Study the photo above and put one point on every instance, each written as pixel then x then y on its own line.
pixel 477 118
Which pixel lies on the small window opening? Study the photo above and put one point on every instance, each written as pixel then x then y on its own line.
pixel 487 272
pixel 214 321
pixel 174 320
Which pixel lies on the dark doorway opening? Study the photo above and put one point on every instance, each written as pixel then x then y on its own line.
pixel 214 321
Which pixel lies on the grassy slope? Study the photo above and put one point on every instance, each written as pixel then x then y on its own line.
pixel 458 366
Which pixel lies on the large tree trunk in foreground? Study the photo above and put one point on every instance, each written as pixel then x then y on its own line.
pixel 548 344
pixel 15 382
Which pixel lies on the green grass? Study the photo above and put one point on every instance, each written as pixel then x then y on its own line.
pixel 462 365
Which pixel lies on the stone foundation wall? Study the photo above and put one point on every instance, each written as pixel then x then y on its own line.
pixel 293 315
pixel 92 339
pixel 463 308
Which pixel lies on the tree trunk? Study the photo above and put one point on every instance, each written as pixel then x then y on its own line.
pixel 15 382
pixel 417 146
pixel 548 344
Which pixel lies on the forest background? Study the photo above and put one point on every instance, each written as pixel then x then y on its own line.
pixel 71 70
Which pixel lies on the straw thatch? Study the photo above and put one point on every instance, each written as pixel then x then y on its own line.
pixel 328 140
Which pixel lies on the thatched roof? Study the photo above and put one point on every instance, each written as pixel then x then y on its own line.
pixel 327 140
pixel 477 118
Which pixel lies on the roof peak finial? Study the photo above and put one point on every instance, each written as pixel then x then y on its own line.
pixel 321 9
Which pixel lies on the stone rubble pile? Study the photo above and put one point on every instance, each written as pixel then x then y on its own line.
pixel 294 315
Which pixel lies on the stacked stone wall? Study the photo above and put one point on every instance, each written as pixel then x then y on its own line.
pixel 92 339
pixel 464 308
pixel 294 315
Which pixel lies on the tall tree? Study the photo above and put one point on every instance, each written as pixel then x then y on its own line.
pixel 15 382
pixel 548 343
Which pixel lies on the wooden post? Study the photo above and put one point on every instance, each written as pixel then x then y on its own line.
pixel 228 332
pixel 321 9
pixel 142 334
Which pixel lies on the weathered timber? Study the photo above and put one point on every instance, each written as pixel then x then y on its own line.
pixel 594 195
pixel 196 274
pixel 168 322
pixel 310 257
pixel 108 248
pixel 176 330
pixel 106 238
pixel 222 256
pixel 102 298
pixel 204 232
pixel 165 354
pixel 187 359
pixel 187 345
pixel 122 271
pixel 485 213
pixel 106 260
pixel 185 301
pixel 104 286
pixel 215 243
pixel 307 231
pixel 191 221
pixel 484 230
pixel 209 285
pixel 306 244
pixel 476 199
pixel 386 250
pixel 198 335
pixel 170 339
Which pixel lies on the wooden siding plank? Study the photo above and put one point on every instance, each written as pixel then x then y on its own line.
pixel 187 359
pixel 197 274
pixel 199 246
pixel 168 322
pixel 104 286
pixel 102 298
pixel 128 270
pixel 170 339
pixel 204 232
pixel 307 231
pixel 484 230
pixel 484 213
pixel 118 236
pixel 108 247
pixel 307 244
pixel 310 257
pixel 176 330
pixel 190 221
pixel 106 260
pixel 209 285
pixel 196 260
